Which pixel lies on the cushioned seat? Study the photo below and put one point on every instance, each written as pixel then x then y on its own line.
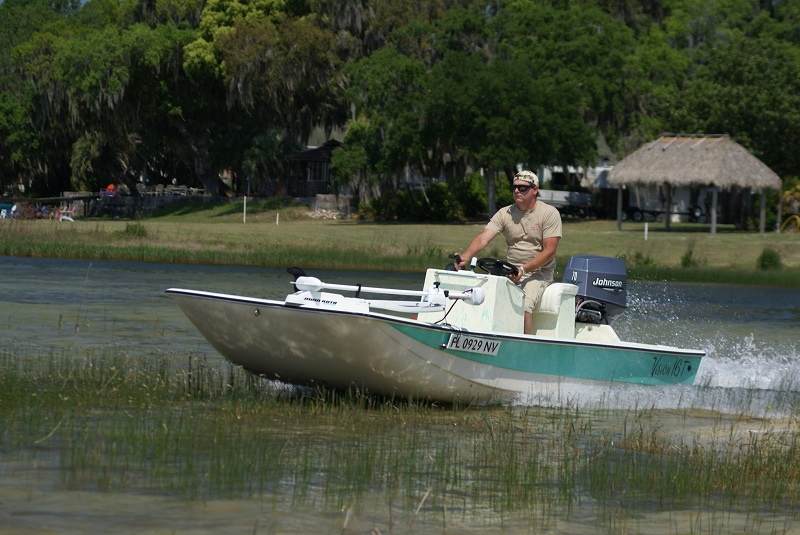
pixel 554 296
pixel 555 314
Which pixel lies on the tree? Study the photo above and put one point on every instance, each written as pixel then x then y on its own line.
pixel 577 46
pixel 749 89
pixel 490 97
pixel 384 95
pixel 288 72
pixel 350 162
pixel 187 88
pixel 21 145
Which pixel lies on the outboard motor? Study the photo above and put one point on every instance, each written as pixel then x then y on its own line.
pixel 602 287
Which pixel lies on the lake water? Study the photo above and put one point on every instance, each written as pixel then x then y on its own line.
pixel 77 307
pixel 750 334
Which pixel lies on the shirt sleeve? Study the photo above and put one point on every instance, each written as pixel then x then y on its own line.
pixel 496 224
pixel 552 224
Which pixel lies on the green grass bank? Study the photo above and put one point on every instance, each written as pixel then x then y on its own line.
pixel 274 235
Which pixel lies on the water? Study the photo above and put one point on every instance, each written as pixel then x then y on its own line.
pixel 80 307
pixel 749 334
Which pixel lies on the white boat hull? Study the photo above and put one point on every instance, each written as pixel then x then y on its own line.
pixel 393 356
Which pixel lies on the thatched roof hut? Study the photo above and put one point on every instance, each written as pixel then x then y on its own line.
pixel 692 160
pixel 695 160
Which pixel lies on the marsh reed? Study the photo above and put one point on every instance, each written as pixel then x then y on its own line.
pixel 204 430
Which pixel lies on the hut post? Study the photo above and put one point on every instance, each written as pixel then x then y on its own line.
pixel 745 207
pixel 714 199
pixel 762 212
pixel 668 210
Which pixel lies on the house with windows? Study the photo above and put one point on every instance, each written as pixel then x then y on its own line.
pixel 309 171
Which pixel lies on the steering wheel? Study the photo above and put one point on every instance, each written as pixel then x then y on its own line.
pixel 495 266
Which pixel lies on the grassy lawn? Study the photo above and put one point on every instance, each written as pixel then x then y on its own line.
pixel 286 235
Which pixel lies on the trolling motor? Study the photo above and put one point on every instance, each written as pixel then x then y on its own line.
pixel 310 293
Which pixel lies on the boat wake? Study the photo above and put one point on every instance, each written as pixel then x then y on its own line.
pixel 743 373
pixel 757 387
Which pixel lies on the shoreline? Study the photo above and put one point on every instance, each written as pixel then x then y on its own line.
pixel 685 254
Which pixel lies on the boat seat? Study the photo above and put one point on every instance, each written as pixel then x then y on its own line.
pixel 554 316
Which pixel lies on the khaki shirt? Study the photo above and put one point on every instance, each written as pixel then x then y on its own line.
pixel 525 232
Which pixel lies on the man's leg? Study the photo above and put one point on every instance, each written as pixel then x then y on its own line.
pixel 534 289
pixel 528 323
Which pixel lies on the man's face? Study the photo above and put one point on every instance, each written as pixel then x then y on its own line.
pixel 522 191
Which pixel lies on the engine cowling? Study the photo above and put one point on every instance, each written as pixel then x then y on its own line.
pixel 602 287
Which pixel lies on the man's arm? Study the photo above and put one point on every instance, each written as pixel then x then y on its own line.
pixel 549 248
pixel 477 245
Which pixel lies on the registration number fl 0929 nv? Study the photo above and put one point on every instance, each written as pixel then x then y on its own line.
pixel 473 344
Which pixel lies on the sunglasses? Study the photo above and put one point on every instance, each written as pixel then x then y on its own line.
pixel 521 188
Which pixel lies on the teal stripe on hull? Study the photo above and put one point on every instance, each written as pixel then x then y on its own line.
pixel 571 359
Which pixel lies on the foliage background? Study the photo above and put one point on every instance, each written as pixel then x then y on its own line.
pixel 118 91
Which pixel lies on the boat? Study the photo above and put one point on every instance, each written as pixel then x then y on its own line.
pixel 459 339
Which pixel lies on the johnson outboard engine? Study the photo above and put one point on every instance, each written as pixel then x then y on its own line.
pixel 602 287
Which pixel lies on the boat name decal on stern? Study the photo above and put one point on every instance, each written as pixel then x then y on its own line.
pixel 675 368
pixel 473 344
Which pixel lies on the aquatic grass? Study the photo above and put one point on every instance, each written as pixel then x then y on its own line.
pixel 782 399
pixel 202 429
pixel 735 469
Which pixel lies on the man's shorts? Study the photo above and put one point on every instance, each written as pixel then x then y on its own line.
pixel 534 288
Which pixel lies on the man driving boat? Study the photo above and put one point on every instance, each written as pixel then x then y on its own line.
pixel 532 230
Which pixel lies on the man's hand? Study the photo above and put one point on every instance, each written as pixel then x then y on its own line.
pixel 517 276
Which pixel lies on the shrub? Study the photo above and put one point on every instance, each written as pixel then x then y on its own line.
pixel 435 204
pixel 440 206
pixel 366 211
pixel 135 230
pixel 471 195
pixel 440 202
pixel 639 259
pixel 769 259
pixel 688 259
